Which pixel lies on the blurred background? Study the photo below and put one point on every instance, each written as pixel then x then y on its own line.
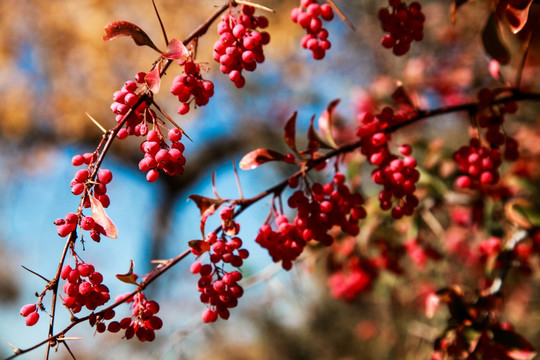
pixel 54 68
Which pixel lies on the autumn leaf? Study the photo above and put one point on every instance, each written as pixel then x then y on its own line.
pixel 100 217
pixel 176 50
pixel 326 122
pixel 207 206
pixel 290 132
pixel 517 14
pixel 129 277
pixel 153 78
pixel 453 9
pixel 125 28
pixel 493 44
pixel 258 157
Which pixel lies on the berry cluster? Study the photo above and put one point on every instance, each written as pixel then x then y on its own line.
pixel 404 23
pixel 89 292
pixel 158 155
pixel 240 45
pixel 82 177
pixel 319 209
pixel 352 279
pixel 219 288
pixel 29 311
pixel 478 164
pixel 397 174
pixel 125 99
pixel 491 118
pixel 142 323
pixel 191 87
pixel 309 16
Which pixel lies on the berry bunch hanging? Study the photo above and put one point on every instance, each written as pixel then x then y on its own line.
pixel 404 23
pixel 309 15
pixel 240 44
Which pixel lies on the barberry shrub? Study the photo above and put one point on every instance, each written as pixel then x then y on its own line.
pixel 360 202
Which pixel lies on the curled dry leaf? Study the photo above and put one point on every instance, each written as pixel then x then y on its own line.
pixel 492 41
pixel 326 122
pixel 290 132
pixel 153 78
pixel 518 211
pixel 258 157
pixel 100 217
pixel 517 14
pixel 176 50
pixel 129 277
pixel 200 246
pixel 453 9
pixel 207 206
pixel 125 28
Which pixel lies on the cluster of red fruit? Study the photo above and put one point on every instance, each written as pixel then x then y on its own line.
pixel 397 174
pixel 240 44
pixel 124 100
pixel 191 87
pixel 479 165
pixel 309 16
pixel 29 311
pixel 219 288
pixel 491 118
pixel 83 287
pixel 319 208
pixel 404 23
pixel 142 323
pixel 159 155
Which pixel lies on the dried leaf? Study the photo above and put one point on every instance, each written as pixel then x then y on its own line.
pixel 453 9
pixel 258 157
pixel 401 96
pixel 518 347
pixel 153 78
pixel 125 28
pixel 326 121
pixel 176 50
pixel 314 138
pixel 521 212
pixel 200 246
pixel 493 44
pixel 129 277
pixel 100 217
pixel 207 206
pixel 290 132
pixel 517 14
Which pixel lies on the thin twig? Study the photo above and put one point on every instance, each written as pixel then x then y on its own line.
pixel 161 24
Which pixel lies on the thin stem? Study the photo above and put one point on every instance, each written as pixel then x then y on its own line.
pixel 521 67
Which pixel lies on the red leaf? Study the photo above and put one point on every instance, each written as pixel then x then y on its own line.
pixel 153 79
pixel 401 96
pixel 200 246
pixel 326 121
pixel 290 132
pixel 517 14
pixel 517 346
pixel 257 157
pixel 176 50
pixel 100 217
pixel 125 28
pixel 207 206
pixel 493 44
pixel 129 277
pixel 314 138
pixel 453 9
